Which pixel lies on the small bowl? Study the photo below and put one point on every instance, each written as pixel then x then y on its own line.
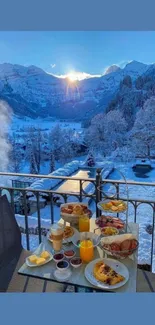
pixel 58 257
pixel 62 266
pixel 69 256
pixel 86 235
pixel 107 235
pixel 76 259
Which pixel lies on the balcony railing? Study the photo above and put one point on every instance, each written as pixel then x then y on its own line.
pixel 93 193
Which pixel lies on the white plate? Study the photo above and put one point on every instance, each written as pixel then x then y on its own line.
pixel 62 276
pixel 117 267
pixel 108 210
pixel 28 263
pixel 68 240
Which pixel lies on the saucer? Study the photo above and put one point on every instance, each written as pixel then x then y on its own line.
pixel 62 276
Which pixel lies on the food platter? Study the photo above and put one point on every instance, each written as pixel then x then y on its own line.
pixel 109 221
pixel 31 264
pixel 115 265
pixel 71 212
pixel 113 206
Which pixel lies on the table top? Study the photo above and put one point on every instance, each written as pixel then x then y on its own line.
pixel 77 277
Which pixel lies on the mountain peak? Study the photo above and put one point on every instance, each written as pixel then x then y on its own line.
pixel 135 65
pixel 112 68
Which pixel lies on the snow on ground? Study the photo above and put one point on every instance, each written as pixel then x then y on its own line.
pixel 44 124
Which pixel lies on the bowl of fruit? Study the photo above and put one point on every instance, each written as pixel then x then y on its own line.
pixel 120 246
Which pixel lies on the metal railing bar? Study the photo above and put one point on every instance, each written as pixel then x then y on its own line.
pixel 47 176
pixel 26 222
pixel 39 218
pixel 77 179
pixel 51 206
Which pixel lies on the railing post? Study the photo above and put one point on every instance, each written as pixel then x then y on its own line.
pixel 26 221
pixel 80 190
pixel 117 195
pixel 39 218
pixel 98 190
pixel 51 205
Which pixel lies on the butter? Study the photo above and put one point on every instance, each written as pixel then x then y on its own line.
pixel 45 255
pixel 40 260
pixel 32 258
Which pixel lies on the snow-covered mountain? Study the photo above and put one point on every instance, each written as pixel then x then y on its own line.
pixel 112 68
pixel 32 92
pixel 133 93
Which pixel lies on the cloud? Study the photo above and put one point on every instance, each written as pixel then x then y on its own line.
pixel 53 65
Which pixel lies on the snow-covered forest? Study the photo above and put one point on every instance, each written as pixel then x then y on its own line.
pixel 109 134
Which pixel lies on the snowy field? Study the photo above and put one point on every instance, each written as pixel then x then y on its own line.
pixel 17 124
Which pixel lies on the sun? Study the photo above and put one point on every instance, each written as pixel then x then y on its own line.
pixel 73 76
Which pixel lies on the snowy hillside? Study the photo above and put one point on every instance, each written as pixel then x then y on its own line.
pixel 32 92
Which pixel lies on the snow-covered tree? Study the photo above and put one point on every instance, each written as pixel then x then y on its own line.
pixel 34 148
pixel 33 169
pixel 62 143
pixel 52 162
pixel 15 155
pixel 142 134
pixel 107 132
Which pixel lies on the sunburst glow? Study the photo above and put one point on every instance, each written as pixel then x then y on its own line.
pixel 73 76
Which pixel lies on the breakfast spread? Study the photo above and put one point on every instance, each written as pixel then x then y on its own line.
pixel 76 209
pixel 68 232
pixel 109 231
pixel 106 274
pixel 108 221
pixel 114 206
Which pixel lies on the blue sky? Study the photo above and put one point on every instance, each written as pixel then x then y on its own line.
pixel 90 52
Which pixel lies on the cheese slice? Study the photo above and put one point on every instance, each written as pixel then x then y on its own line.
pixel 45 255
pixel 32 258
pixel 40 260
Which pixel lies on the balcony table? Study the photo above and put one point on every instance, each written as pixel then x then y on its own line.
pixel 77 278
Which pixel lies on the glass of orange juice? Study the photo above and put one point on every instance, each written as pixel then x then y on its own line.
pixel 84 223
pixel 86 250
